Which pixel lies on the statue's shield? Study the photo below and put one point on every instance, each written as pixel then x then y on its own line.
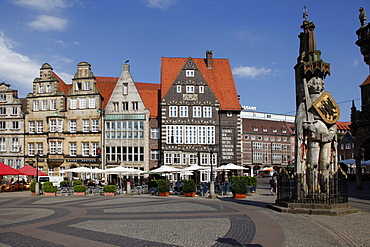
pixel 327 108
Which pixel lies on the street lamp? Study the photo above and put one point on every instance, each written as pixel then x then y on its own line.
pixel 212 195
pixel 37 185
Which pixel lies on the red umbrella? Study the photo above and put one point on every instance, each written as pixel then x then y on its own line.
pixel 31 171
pixel 7 170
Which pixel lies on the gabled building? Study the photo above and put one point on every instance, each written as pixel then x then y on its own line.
pixel 127 122
pixel 199 108
pixel 11 127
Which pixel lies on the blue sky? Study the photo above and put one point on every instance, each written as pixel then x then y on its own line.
pixel 260 37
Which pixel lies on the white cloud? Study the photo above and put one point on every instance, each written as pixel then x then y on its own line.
pixel 17 69
pixel 160 4
pixel 355 62
pixel 250 72
pixel 48 23
pixel 43 5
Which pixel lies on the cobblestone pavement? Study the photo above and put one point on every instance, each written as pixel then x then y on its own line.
pixel 145 220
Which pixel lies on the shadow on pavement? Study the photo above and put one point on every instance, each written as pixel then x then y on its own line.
pixel 245 202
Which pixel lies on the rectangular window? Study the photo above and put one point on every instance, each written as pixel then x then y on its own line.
pixel 78 86
pixel 40 149
pixel 31 148
pixel 135 106
pixel 125 88
pixel 168 158
pixel 257 157
pixel 41 88
pixel 94 148
pixel 15 110
pixel 189 73
pixel 53 104
pixel 170 134
pixel 2 144
pixel 154 133
pixel 85 149
pixel 91 103
pixel 207 111
pixel 178 88
pixel 60 125
pixel 87 85
pixel 48 88
pixel 201 89
pixel 31 127
pixel 2 125
pixel 15 144
pixel 53 125
pixel 83 103
pixel 44 105
pixel 192 159
pixel 115 106
pixel 51 171
pixel 85 125
pixel 95 125
pixel 2 97
pixel 36 105
pixel 15 125
pixel 183 111
pixel 73 103
pixel 190 89
pixel 124 106
pixel 257 145
pixel 197 111
pixel 154 154
pixel 72 149
pixel 176 158
pixel 40 127
pixel 173 111
pixel 73 126
pixel 202 135
pixel 53 147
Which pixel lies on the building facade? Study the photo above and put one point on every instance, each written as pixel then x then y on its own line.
pixel 11 127
pixel 199 110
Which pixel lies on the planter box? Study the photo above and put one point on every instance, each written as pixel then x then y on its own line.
pixel 33 193
pixel 109 193
pixel 189 194
pixel 163 193
pixel 236 196
pixel 80 193
pixel 49 193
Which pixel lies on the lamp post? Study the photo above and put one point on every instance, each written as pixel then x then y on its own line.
pixel 37 185
pixel 212 195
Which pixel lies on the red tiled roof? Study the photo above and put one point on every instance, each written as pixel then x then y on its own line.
pixel 343 125
pixel 62 85
pixel 219 78
pixel 366 82
pixel 106 86
pixel 249 125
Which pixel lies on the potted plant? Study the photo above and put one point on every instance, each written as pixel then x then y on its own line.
pixel 64 183
pixel 163 187
pixel 109 190
pixel 76 182
pixel 33 188
pixel 49 189
pixel 80 190
pixel 189 188
pixel 239 186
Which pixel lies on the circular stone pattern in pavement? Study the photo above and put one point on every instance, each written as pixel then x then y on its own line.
pixel 20 215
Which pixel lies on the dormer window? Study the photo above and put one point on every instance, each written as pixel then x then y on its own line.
pixel 274 130
pixel 189 73
pixel 264 130
pixel 284 131
pixel 255 129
